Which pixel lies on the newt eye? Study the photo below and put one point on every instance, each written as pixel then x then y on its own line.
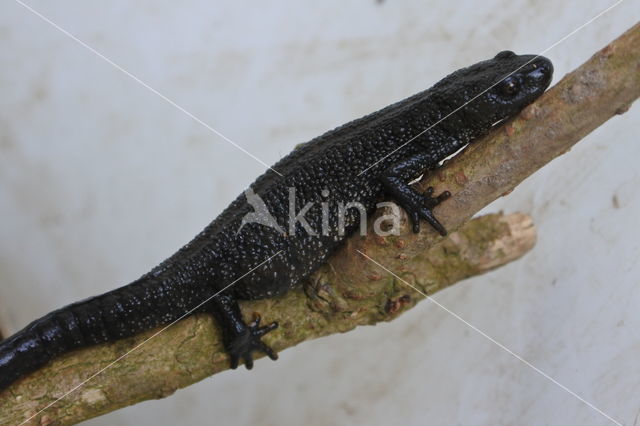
pixel 509 87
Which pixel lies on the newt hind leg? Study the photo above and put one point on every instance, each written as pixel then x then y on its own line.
pixel 240 339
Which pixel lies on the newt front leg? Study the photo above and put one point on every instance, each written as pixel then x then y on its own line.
pixel 416 205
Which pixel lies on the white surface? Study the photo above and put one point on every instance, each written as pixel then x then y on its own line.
pixel 101 179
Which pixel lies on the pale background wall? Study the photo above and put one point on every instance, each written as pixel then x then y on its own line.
pixel 101 179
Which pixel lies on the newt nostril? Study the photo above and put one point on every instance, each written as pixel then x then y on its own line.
pixel 540 72
pixel 545 66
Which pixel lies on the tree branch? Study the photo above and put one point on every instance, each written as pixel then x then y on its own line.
pixel 191 350
pixel 350 290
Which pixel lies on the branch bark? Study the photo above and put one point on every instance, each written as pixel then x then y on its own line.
pixel 350 290
pixel 333 301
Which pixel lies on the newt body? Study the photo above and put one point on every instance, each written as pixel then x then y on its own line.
pixel 328 169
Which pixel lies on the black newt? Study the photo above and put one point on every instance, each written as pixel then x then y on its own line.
pixel 359 162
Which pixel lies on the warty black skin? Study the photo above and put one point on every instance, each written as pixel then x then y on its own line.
pixel 226 249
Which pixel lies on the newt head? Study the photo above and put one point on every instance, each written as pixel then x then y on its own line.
pixel 498 88
pixel 526 77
